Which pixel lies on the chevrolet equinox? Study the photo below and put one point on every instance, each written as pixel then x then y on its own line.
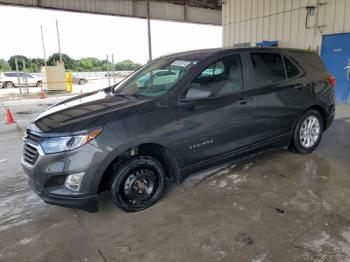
pixel 178 114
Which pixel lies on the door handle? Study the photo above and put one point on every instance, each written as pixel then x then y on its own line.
pixel 244 100
pixel 299 86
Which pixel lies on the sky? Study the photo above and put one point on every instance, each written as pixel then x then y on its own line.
pixel 90 35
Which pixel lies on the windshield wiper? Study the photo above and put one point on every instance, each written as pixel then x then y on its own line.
pixel 130 97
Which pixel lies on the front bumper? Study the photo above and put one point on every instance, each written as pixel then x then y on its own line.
pixel 89 203
pixel 48 173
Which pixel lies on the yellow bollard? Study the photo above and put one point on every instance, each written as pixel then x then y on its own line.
pixel 69 82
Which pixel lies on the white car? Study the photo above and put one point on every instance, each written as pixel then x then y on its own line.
pixel 10 79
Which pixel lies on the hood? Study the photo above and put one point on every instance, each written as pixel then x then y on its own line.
pixel 85 112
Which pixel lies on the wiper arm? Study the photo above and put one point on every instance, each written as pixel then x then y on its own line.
pixel 130 97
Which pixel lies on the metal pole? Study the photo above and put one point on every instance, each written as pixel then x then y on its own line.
pixel 149 32
pixel 113 68
pixel 59 42
pixel 109 80
pixel 25 75
pixel 18 79
pixel 42 41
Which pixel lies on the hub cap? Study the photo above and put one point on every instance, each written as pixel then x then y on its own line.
pixel 309 131
pixel 140 186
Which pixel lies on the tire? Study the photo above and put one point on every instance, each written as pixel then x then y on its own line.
pixel 8 84
pixel 39 84
pixel 82 82
pixel 137 184
pixel 305 139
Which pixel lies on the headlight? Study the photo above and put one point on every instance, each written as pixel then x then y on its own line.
pixel 65 143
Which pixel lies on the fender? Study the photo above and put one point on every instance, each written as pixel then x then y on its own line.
pixel 172 160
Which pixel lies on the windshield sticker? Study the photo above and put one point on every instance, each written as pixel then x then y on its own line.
pixel 180 63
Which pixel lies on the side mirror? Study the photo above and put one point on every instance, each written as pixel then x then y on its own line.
pixel 197 93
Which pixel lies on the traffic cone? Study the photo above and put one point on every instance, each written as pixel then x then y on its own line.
pixel 9 117
pixel 42 94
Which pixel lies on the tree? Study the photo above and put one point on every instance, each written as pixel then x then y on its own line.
pixel 69 63
pixel 4 66
pixel 36 63
pixel 127 65
pixel 20 58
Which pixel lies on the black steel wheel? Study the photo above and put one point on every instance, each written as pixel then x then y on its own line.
pixel 138 183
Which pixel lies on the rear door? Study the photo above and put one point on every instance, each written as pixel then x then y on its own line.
pixel 218 119
pixel 282 90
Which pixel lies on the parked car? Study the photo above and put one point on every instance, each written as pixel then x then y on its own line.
pixel 10 79
pixel 157 78
pixel 223 105
pixel 79 80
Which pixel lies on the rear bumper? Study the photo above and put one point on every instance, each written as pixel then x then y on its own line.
pixel 330 117
pixel 89 204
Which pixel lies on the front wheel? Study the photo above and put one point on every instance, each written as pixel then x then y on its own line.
pixel 308 132
pixel 137 184
pixel 9 85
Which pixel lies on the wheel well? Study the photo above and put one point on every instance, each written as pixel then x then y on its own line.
pixel 321 111
pixel 163 155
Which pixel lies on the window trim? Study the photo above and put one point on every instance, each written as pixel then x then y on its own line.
pixel 182 96
pixel 301 71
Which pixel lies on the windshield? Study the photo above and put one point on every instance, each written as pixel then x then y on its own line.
pixel 156 78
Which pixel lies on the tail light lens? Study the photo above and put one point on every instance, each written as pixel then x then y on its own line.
pixel 332 80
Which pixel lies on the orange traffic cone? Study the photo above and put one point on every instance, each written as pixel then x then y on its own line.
pixel 9 117
pixel 42 94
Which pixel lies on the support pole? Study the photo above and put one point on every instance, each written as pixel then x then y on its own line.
pixel 25 78
pixel 113 68
pixel 149 32
pixel 18 78
pixel 59 41
pixel 109 80
pixel 43 43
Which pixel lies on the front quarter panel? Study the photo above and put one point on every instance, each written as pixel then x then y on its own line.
pixel 160 125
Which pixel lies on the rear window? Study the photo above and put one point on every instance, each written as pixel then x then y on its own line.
pixel 291 69
pixel 268 68
pixel 311 59
pixel 10 74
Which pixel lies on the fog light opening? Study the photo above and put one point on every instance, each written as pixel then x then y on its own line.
pixel 73 181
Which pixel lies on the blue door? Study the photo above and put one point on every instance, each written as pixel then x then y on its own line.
pixel 336 55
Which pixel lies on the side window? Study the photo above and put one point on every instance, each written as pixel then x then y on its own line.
pixel 221 78
pixel 291 69
pixel 215 69
pixel 267 68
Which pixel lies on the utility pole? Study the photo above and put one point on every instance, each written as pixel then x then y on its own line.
pixel 113 68
pixel 42 41
pixel 149 32
pixel 18 78
pixel 109 80
pixel 59 42
pixel 25 75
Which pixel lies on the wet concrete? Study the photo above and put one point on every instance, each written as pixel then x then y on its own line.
pixel 279 206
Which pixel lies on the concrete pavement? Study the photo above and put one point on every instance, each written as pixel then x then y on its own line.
pixel 279 206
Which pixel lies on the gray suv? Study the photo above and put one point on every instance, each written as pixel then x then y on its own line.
pixel 207 107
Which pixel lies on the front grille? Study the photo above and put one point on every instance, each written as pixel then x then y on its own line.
pixel 30 154
pixel 33 137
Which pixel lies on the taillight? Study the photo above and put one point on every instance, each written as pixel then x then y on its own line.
pixel 332 80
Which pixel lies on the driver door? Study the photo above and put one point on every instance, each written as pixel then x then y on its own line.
pixel 218 114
